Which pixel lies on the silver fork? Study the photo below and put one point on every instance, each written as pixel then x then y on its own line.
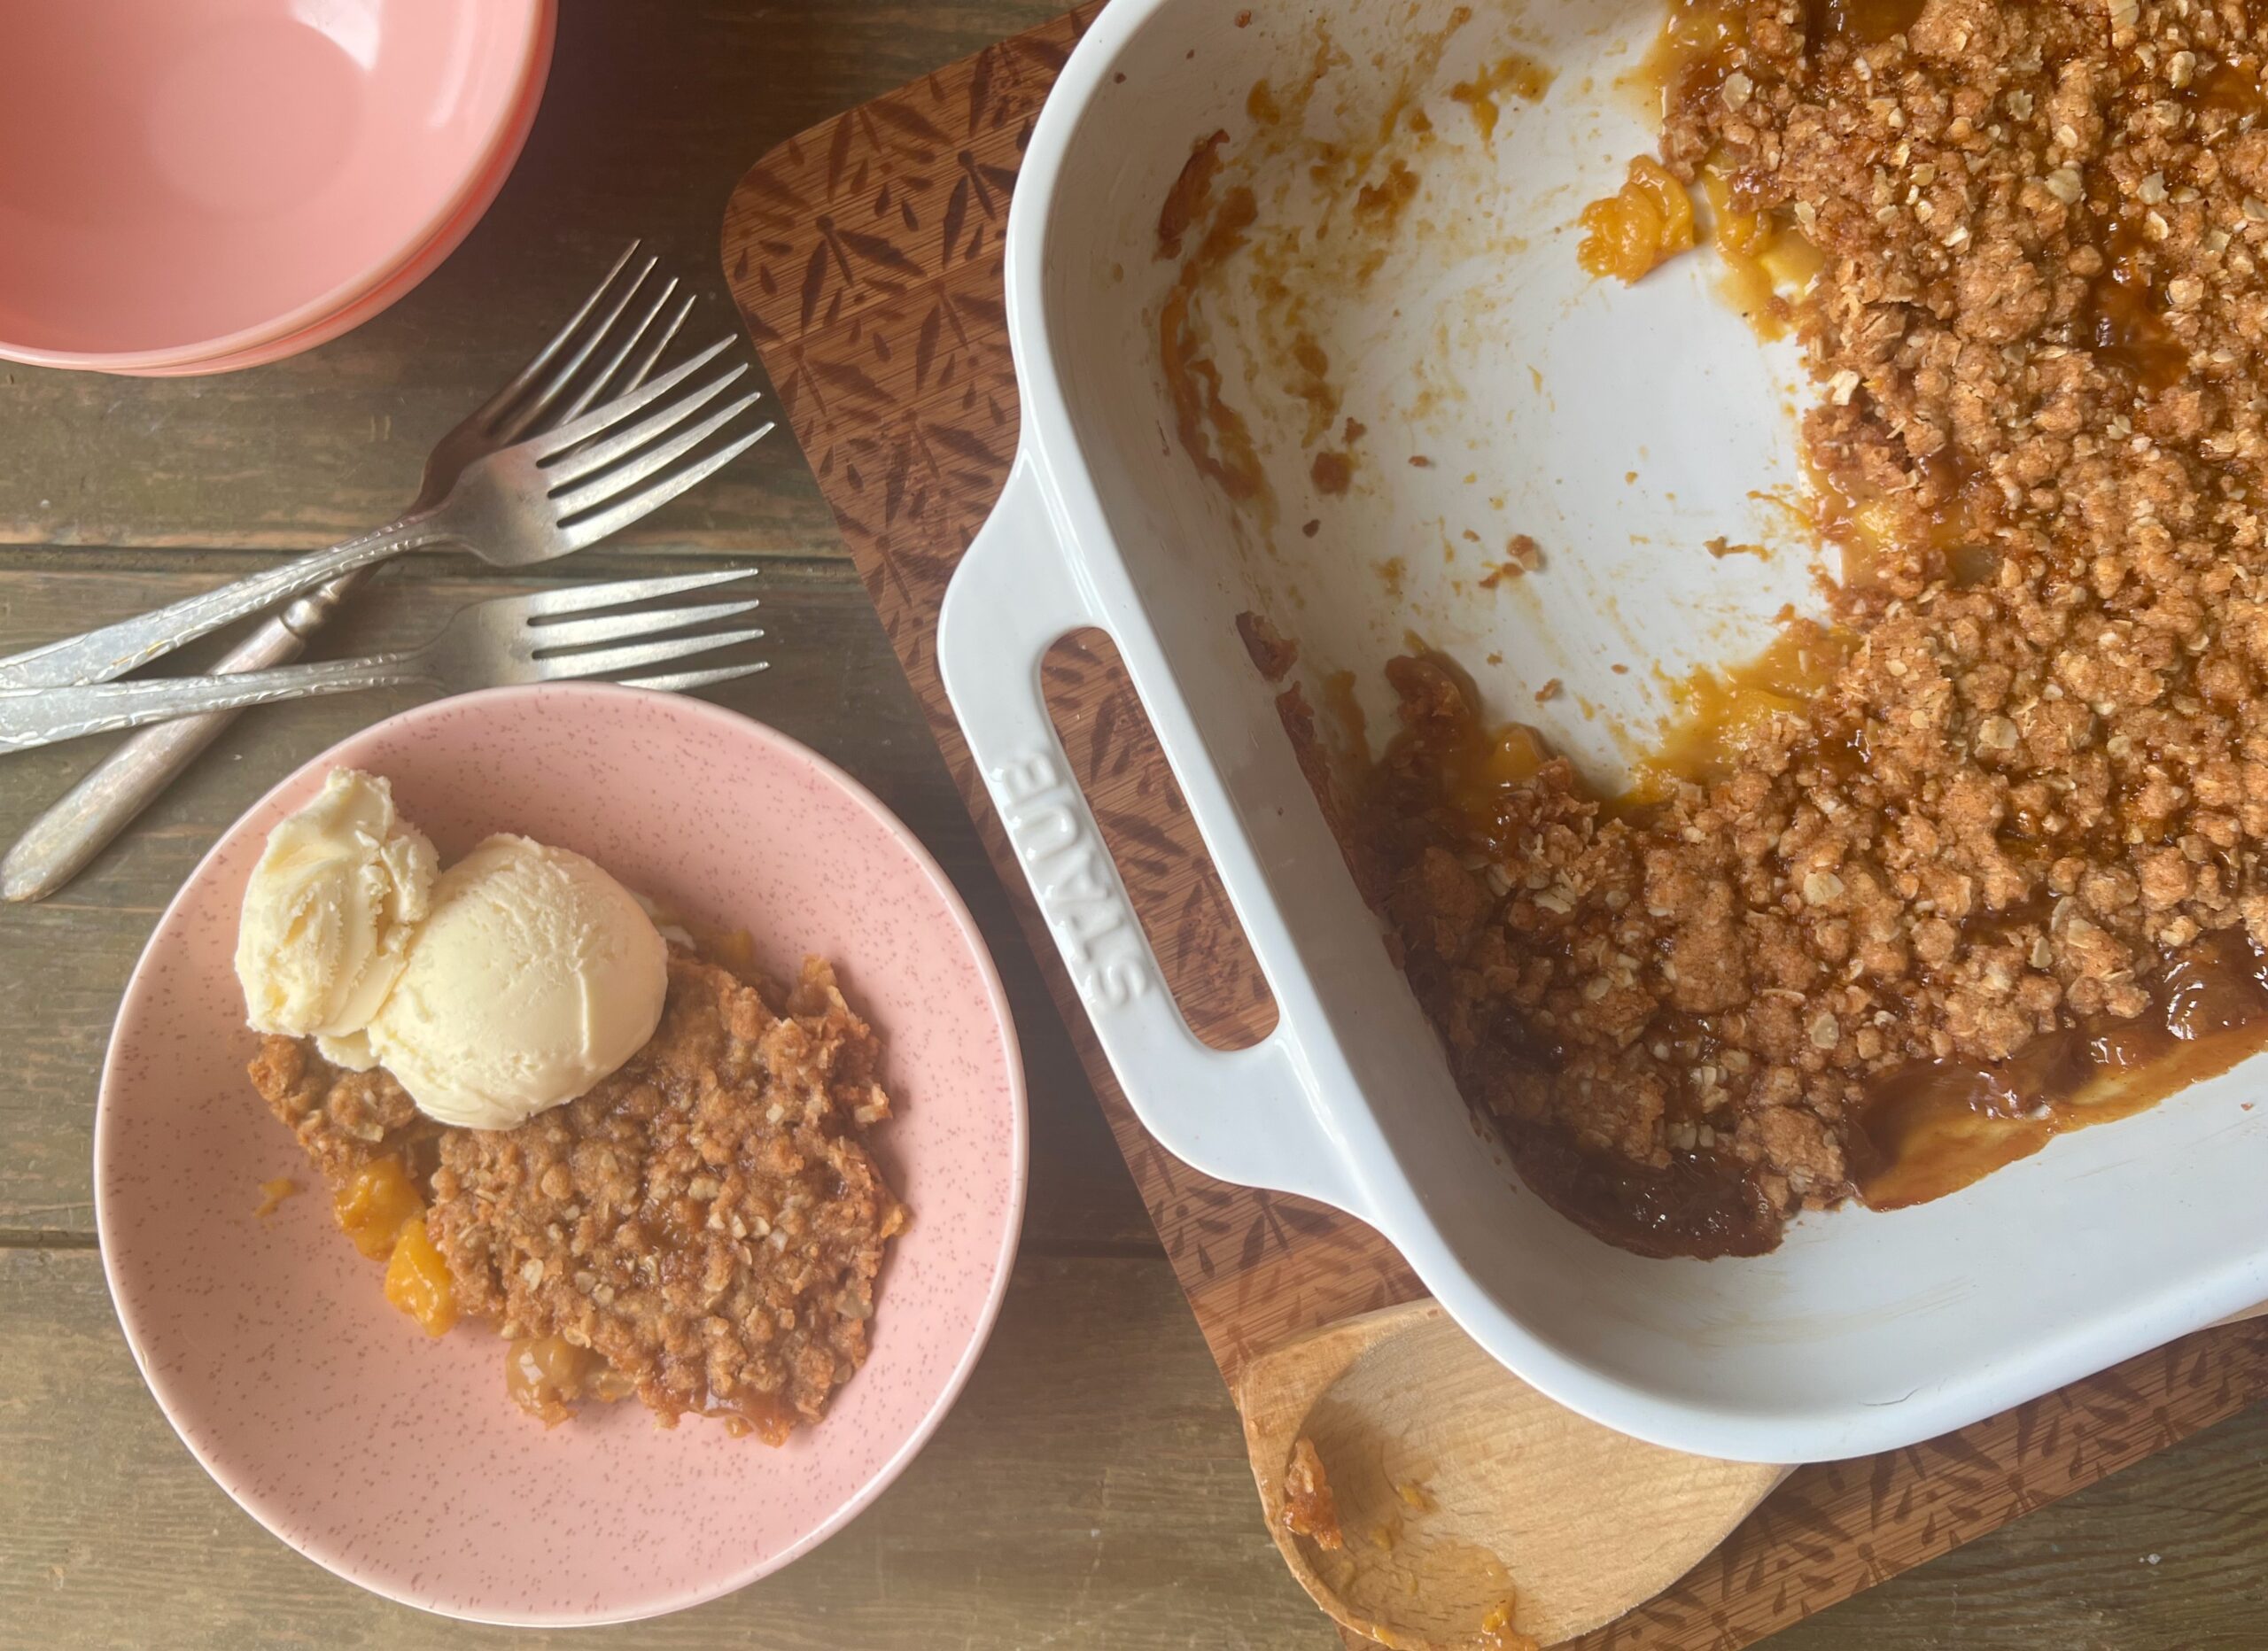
pixel 540 499
pixel 57 845
pixel 503 641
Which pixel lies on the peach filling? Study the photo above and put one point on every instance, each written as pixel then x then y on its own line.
pixel 383 1213
pixel 1648 221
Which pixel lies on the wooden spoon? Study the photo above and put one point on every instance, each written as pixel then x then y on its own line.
pixel 1459 1489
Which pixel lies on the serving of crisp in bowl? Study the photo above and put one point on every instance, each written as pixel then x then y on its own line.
pixel 783 1211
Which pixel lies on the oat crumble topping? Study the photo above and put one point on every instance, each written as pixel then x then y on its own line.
pixel 2011 845
pixel 707 1221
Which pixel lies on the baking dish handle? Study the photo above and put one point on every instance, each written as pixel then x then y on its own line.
pixel 1246 1116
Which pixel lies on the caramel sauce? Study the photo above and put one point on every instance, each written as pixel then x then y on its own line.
pixel 2231 88
pixel 1933 1128
pixel 1344 707
pixel 1720 712
pixel 1212 431
pixel 1193 190
pixel 272 1194
pixel 1520 74
pixel 1693 53
pixel 1704 1204
pixel 1312 386
pixel 1860 23
pixel 2124 322
pixel 1379 205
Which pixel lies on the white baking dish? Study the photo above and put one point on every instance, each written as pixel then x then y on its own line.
pixel 1864 1331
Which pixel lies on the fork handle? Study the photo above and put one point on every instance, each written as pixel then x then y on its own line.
pixel 37 717
pixel 112 793
pixel 113 650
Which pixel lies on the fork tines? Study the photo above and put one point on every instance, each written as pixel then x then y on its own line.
pixel 591 377
pixel 599 483
pixel 540 391
pixel 564 647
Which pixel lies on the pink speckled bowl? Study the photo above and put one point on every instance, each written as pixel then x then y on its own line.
pixel 399 1463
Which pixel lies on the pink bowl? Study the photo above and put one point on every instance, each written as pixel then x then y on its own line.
pixel 181 180
pixel 401 281
pixel 399 1463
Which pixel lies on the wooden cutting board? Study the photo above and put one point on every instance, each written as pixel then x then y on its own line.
pixel 866 257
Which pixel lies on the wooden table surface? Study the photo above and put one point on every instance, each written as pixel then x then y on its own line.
pixel 1091 1488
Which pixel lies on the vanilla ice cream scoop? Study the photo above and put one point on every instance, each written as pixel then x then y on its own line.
pixel 329 912
pixel 534 976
